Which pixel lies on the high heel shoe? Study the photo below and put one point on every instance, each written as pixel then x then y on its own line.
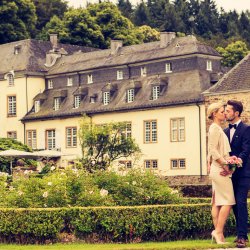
pixel 217 238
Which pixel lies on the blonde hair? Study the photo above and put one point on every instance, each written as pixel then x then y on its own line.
pixel 213 108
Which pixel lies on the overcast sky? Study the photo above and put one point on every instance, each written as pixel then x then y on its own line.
pixel 239 5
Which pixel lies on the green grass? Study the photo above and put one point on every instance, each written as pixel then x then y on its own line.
pixel 177 245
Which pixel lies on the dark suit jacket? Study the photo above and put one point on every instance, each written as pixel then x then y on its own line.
pixel 240 147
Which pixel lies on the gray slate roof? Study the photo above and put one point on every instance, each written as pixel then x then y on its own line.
pixel 238 78
pixel 131 54
pixel 181 88
pixel 32 55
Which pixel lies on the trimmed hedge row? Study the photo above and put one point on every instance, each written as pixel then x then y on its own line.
pixel 108 224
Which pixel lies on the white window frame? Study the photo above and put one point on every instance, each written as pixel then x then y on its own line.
pixel 178 163
pixel 50 139
pixel 77 101
pixel 209 65
pixel 31 138
pixel 150 131
pixel 90 78
pixel 57 103
pixel 106 97
pixel 151 164
pixel 119 74
pixel 50 84
pixel 71 137
pixel 177 129
pixel 70 81
pixel 156 92
pixel 130 95
pixel 11 105
pixel 11 80
pixel 168 67
pixel 37 106
pixel 12 135
pixel 127 164
pixel 143 71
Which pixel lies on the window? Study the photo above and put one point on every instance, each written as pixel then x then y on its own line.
pixel 155 92
pixel 151 164
pixel 92 99
pixel 11 100
pixel 150 131
pixel 50 139
pixel 119 74
pixel 106 97
pixel 143 71
pixel 168 67
pixel 57 103
pixel 71 137
pixel 50 84
pixel 70 81
pixel 127 164
pixel 130 95
pixel 177 127
pixel 209 65
pixel 12 135
pixel 178 163
pixel 10 78
pixel 77 101
pixel 90 79
pixel 37 106
pixel 128 130
pixel 31 138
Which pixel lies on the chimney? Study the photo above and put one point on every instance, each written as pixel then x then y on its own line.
pixel 53 40
pixel 115 46
pixel 166 38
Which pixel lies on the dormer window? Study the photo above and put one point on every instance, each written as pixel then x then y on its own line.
pixel 119 74
pixel 143 71
pixel 155 92
pixel 57 103
pixel 106 97
pixel 70 81
pixel 90 78
pixel 209 65
pixel 37 106
pixel 168 68
pixel 10 78
pixel 77 101
pixel 130 95
pixel 17 49
pixel 50 84
pixel 92 99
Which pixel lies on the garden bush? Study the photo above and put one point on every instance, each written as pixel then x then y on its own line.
pixel 81 188
pixel 108 224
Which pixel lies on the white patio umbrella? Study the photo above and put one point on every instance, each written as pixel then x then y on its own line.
pixel 48 153
pixel 13 153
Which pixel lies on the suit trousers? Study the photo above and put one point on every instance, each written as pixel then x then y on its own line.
pixel 241 187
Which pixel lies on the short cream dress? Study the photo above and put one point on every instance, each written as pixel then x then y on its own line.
pixel 218 146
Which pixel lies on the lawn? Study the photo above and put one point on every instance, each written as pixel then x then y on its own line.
pixel 177 245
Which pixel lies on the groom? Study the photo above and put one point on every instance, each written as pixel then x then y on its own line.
pixel 238 135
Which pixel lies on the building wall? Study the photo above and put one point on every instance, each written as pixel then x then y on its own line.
pixel 163 150
pixel 24 102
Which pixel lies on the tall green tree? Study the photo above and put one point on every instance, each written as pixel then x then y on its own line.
pixel 46 9
pixel 102 145
pixel 18 20
pixel 126 8
pixel 233 53
pixel 141 14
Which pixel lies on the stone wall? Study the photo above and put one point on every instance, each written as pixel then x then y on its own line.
pixel 188 180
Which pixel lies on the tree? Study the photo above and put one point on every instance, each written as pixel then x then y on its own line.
pixel 18 19
pixel 141 15
pixel 103 144
pixel 46 9
pixel 233 53
pixel 126 8
pixel 148 34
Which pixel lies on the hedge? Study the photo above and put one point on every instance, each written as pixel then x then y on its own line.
pixel 108 224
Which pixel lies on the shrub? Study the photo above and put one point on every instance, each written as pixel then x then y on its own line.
pixel 106 224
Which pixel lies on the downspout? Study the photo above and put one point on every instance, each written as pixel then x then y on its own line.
pixel 26 90
pixel 199 108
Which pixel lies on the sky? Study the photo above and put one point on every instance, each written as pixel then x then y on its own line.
pixel 239 5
